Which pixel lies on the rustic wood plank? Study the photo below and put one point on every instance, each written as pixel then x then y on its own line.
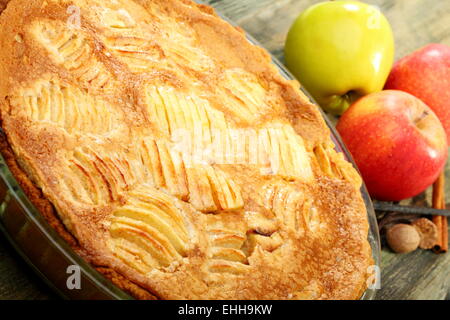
pixel 239 9
pixel 17 281
pixel 421 274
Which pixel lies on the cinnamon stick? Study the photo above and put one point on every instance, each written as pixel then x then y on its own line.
pixel 440 221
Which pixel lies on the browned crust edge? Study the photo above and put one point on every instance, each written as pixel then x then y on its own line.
pixel 48 211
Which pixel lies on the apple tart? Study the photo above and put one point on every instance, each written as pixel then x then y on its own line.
pixel 172 155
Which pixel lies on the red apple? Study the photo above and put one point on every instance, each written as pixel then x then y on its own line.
pixel 426 74
pixel 397 142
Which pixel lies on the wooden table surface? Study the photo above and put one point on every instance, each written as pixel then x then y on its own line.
pixel 418 275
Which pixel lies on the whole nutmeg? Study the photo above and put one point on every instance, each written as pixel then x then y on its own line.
pixel 403 238
pixel 428 232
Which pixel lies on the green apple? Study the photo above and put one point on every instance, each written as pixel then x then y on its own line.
pixel 340 51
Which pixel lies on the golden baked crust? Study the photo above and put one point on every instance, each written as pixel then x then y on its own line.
pixel 176 155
